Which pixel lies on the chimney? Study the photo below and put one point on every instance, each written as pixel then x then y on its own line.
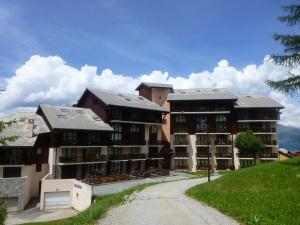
pixel 30 127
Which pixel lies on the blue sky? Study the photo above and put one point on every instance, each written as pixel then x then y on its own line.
pixel 137 37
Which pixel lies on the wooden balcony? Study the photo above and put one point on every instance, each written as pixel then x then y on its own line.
pixel 129 142
pixel 224 167
pixel 270 142
pixel 181 130
pixel 126 156
pixel 180 142
pixel 181 167
pixel 155 142
pixel 244 155
pixel 212 130
pixel 258 130
pixel 268 155
pixel 223 154
pixel 80 159
pixel 155 155
pixel 203 154
pixel 181 154
pixel 11 161
pixel 223 142
pixel 203 142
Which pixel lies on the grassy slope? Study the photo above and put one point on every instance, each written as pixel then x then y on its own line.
pixel 267 194
pixel 96 210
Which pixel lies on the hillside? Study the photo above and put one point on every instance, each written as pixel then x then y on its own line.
pixel 288 137
pixel 264 194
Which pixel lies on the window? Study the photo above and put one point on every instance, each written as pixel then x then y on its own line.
pixel 134 150
pixel 69 152
pixel 181 162
pixel 135 116
pixel 134 128
pixel 243 126
pixel 180 139
pixel 116 114
pixel 69 137
pixel 246 163
pixel 202 150
pixel 116 135
pixel 180 149
pixel 201 122
pixel 202 162
pixel 95 138
pixel 221 121
pixel 115 151
pixel 153 130
pixel 180 118
pixel 222 150
pixel 116 167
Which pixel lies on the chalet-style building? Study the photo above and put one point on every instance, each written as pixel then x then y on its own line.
pixel 203 124
pixel 78 141
pixel 62 152
pixel 24 162
pixel 135 144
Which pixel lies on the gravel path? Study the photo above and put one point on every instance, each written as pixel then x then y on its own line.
pixel 165 204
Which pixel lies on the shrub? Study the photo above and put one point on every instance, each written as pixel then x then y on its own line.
pixel 2 213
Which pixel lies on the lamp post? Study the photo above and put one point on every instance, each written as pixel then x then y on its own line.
pixel 208 155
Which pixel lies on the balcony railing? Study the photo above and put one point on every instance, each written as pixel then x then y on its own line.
pixel 268 155
pixel 223 154
pixel 203 154
pixel 80 159
pixel 180 130
pixel 258 129
pixel 180 142
pixel 155 142
pixel 269 142
pixel 11 161
pixel 223 142
pixel 260 117
pixel 131 141
pixel 181 154
pixel 212 130
pixel 203 142
pixel 126 156
pixel 182 167
pixel 202 167
pixel 155 155
pixel 224 167
pixel 194 108
pixel 245 155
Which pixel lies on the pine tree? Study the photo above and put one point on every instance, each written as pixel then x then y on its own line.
pixel 291 56
pixel 3 139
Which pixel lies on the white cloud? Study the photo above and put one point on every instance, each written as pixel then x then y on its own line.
pixel 51 80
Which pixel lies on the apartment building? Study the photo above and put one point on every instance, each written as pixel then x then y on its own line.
pixel 135 143
pixel 203 124
pixel 24 162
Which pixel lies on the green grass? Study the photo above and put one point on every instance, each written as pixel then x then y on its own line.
pixel 267 194
pixel 96 210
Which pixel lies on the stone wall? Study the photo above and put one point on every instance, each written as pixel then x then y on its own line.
pixel 13 187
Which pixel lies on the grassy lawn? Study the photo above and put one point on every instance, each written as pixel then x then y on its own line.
pixel 267 194
pixel 96 210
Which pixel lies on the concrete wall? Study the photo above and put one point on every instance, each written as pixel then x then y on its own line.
pixel 81 196
pixel 80 193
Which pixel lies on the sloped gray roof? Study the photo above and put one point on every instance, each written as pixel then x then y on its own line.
pixel 256 101
pixel 125 100
pixel 201 94
pixel 154 85
pixel 73 118
pixel 20 129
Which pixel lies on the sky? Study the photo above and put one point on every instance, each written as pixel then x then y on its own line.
pixel 50 51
